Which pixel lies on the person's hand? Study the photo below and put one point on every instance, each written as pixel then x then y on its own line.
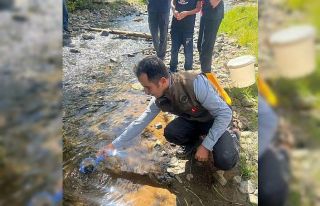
pixel 214 3
pixel 176 14
pixel 202 154
pixel 182 15
pixel 106 150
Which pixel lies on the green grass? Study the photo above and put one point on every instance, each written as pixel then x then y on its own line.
pixel 311 9
pixel 247 169
pixel 242 23
pixel 247 92
pixel 294 198
pixel 141 2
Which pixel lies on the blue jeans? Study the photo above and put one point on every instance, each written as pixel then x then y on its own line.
pixel 158 23
pixel 209 27
pixel 179 38
pixel 65 16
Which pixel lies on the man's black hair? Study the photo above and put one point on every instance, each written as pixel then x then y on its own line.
pixel 153 67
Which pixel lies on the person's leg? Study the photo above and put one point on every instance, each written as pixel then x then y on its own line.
pixel 181 131
pixel 6 4
pixel 211 27
pixel 188 50
pixel 200 36
pixel 175 46
pixel 225 152
pixel 154 29
pixel 163 27
pixel 273 178
pixel 184 133
pixel 65 16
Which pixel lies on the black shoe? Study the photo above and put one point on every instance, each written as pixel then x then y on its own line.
pixel 185 151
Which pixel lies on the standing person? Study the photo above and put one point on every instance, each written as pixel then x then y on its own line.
pixel 199 108
pixel 6 4
pixel 182 29
pixel 212 15
pixel 158 18
pixel 65 17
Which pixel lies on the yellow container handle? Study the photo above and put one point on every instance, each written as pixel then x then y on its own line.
pixel 213 79
pixel 267 93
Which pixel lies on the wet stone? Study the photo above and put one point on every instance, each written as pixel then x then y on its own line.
pixel 158 125
pixel 103 126
pixel 113 60
pixel 19 17
pixel 104 33
pixel 75 51
pixel 87 37
pixel 122 37
pixel 163 153
pixel 138 20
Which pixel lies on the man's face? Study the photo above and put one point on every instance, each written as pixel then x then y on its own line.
pixel 152 88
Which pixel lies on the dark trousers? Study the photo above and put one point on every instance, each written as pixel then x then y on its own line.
pixel 179 38
pixel 273 178
pixel 207 36
pixel 182 132
pixel 158 25
pixel 65 16
pixel 6 4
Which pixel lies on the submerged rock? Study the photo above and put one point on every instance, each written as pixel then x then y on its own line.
pixel 104 33
pixel 87 37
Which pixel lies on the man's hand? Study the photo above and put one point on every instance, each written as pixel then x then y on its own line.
pixel 176 14
pixel 182 15
pixel 108 149
pixel 214 3
pixel 202 154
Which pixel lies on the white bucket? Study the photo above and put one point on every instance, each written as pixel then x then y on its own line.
pixel 294 51
pixel 242 71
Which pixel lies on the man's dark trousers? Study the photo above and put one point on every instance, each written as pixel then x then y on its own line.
pixel 65 16
pixel 158 25
pixel 178 38
pixel 209 26
pixel 183 132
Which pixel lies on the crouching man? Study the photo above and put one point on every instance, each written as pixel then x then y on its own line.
pixel 200 112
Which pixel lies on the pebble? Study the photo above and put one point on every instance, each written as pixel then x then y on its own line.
pixel 189 177
pixel 220 177
pixel 253 199
pixel 104 33
pixel 113 60
pixel 74 50
pixel 87 37
pixel 247 187
pixel 237 179
pixel 158 125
